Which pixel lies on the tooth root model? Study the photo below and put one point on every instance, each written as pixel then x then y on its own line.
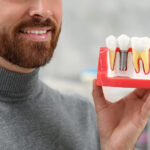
pixel 145 58
pixel 140 50
pixel 136 57
pixel 124 44
pixel 111 43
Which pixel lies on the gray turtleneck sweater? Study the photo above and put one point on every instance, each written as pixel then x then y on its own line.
pixel 35 117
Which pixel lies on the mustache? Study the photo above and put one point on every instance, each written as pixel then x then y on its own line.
pixel 36 22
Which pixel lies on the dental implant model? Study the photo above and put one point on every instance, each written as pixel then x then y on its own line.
pixel 124 62
pixel 111 43
pixel 124 44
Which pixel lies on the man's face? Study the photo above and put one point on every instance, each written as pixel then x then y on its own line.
pixel 29 50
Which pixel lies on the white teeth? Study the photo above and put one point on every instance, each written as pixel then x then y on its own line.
pixel 135 43
pixel 123 42
pixel 111 42
pixel 140 44
pixel 145 43
pixel 36 32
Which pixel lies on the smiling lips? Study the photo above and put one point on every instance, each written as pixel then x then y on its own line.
pixel 140 51
pixel 37 34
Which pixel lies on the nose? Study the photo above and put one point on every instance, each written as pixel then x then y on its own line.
pixel 40 8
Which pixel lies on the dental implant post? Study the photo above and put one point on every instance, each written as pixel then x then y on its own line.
pixel 124 44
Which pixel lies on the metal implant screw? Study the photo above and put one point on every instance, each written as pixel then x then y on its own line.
pixel 123 61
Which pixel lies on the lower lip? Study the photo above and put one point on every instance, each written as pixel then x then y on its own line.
pixel 38 37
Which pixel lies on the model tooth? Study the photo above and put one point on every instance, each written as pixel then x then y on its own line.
pixel 124 44
pixel 135 53
pixel 140 50
pixel 111 43
pixel 145 53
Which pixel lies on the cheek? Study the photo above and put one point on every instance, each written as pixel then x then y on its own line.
pixel 10 16
pixel 57 10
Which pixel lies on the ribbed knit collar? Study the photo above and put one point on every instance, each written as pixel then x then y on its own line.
pixel 16 86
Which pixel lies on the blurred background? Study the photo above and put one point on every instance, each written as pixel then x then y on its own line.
pixel 85 26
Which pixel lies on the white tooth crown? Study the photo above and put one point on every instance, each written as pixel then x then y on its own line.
pixel 140 44
pixel 145 43
pixel 135 43
pixel 123 42
pixel 36 32
pixel 111 42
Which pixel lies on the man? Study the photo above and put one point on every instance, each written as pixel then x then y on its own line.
pixel 36 117
pixel 32 115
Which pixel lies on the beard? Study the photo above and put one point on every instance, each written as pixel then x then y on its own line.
pixel 24 52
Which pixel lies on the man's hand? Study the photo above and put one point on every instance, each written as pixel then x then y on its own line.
pixel 121 123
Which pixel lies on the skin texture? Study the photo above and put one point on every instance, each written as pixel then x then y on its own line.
pixel 18 53
pixel 120 124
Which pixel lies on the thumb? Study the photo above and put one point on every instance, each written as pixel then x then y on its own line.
pixel 98 97
pixel 145 111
